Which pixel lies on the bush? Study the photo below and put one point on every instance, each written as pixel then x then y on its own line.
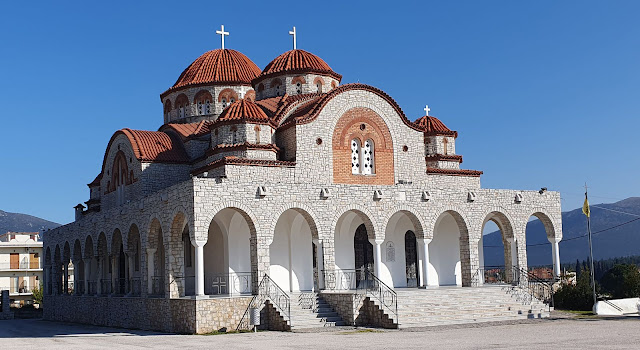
pixel 622 281
pixel 576 297
pixel 37 295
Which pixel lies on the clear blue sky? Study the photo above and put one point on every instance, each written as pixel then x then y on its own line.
pixel 542 93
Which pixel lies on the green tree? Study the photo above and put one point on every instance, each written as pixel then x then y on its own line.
pixel 622 281
pixel 578 296
pixel 37 294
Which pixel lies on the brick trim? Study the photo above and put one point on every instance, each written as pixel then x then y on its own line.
pixel 448 157
pixel 243 161
pixel 241 146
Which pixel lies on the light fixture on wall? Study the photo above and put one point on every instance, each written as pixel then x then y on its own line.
pixel 542 190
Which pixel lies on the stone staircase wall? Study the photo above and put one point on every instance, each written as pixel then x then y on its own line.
pixel 358 310
pixel 372 315
pixel 271 319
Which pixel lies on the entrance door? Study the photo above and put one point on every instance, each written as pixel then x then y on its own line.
pixel 411 259
pixel 363 250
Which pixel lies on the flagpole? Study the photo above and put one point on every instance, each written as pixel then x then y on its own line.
pixel 593 281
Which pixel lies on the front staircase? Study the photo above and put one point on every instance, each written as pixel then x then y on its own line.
pixel 455 305
pixel 310 310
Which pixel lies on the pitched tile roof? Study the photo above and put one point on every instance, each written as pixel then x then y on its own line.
pixel 244 111
pixel 155 146
pixel 189 130
pixel 218 67
pixel 301 61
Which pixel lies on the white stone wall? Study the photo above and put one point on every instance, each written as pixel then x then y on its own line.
pixel 192 114
pixel 290 88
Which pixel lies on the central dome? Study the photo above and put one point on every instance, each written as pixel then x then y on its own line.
pixel 220 66
pixel 299 61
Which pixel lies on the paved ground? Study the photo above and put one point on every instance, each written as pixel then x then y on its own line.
pixel 588 333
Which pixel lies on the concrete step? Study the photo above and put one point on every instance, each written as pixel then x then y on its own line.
pixel 306 315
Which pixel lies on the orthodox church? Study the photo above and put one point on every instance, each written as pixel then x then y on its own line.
pixel 286 192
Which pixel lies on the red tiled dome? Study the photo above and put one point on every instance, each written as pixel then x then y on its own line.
pixel 433 125
pixel 244 111
pixel 219 67
pixel 298 61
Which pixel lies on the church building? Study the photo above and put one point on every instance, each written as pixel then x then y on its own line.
pixel 286 191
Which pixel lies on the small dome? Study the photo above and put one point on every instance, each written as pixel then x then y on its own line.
pixel 219 67
pixel 244 111
pixel 432 125
pixel 299 61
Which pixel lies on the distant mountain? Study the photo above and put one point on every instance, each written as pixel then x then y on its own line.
pixel 23 223
pixel 617 242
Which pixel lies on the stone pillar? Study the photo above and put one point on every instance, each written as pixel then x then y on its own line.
pixel 199 268
pixel 555 249
pixel 88 264
pixel 377 255
pixel 76 275
pixel 320 262
pixel 150 269
pixel 47 280
pixel 423 263
pixel 65 278
pixel 130 271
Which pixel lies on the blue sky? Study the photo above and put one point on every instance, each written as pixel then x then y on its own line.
pixel 543 94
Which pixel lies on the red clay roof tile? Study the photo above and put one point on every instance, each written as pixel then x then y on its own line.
pixel 155 146
pixel 432 125
pixel 244 111
pixel 298 61
pixel 218 67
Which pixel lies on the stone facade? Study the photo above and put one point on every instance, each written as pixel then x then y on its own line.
pixel 153 232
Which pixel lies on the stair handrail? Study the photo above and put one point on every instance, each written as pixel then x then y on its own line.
pixel 534 286
pixel 268 289
pixel 608 302
pixel 387 297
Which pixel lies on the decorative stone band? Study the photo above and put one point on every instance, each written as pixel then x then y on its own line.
pixel 243 161
pixel 454 172
pixel 241 147
pixel 439 157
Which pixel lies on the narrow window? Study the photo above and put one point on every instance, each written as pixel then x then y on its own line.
pixel 445 144
pixel 257 130
pixel 319 87
pixel 367 158
pixel 200 108
pixel 224 103
pixel 207 107
pixel 355 156
pixel 298 88
pixel 181 111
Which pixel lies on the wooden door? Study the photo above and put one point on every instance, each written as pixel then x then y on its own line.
pixel 34 261
pixel 14 262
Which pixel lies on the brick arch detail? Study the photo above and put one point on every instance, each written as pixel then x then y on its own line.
pixel 228 94
pixel 250 95
pixel 298 79
pixel 202 96
pixel 348 128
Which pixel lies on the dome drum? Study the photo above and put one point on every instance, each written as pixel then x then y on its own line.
pixel 190 105
pixel 294 84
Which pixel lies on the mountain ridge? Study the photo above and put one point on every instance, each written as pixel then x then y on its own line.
pixel 19 222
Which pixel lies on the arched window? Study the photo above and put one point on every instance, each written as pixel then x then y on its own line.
pixel 367 158
pixel 278 90
pixel 445 144
pixel 167 111
pixel 355 156
pixel 257 130
pixel 224 103
pixel 182 104
pixel 120 177
pixel 319 87
pixel 203 100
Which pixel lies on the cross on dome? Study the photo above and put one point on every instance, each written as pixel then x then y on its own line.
pixel 427 109
pixel 222 33
pixel 293 32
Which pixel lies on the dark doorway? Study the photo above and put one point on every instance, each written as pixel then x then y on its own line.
pixel 121 273
pixel 363 250
pixel 411 258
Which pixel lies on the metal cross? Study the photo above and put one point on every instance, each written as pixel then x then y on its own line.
pixel 293 32
pixel 222 34
pixel 427 109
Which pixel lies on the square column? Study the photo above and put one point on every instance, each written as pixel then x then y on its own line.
pixel 377 256
pixel 320 262
pixel 199 268
pixel 87 274
pixel 150 269
pixel 423 260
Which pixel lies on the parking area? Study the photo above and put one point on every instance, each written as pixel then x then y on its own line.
pixel 586 333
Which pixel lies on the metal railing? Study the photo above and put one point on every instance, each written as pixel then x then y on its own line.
pixel 490 275
pixel 92 288
pixel 79 287
pixel 526 287
pixel 134 286
pixel 268 290
pixel 157 286
pixel 229 283
pixel 20 290
pixel 22 265
pixel 364 282
pixel 105 286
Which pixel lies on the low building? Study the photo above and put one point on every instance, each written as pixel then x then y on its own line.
pixel 20 264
